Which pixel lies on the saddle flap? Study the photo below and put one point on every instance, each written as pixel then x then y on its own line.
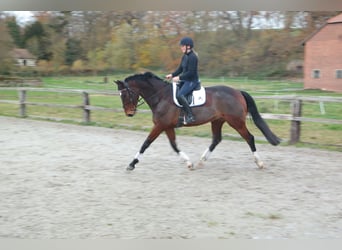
pixel 197 98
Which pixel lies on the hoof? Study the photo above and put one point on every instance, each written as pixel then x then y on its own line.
pixel 191 166
pixel 257 160
pixel 130 168
pixel 200 164
pixel 260 165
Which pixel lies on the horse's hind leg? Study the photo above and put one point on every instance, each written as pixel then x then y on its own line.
pixel 216 129
pixel 249 138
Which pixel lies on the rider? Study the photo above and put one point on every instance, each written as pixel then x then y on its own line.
pixel 187 75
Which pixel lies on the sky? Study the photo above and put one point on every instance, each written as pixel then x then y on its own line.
pixel 22 16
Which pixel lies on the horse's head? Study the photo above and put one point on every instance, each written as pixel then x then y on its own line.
pixel 129 97
pixel 146 86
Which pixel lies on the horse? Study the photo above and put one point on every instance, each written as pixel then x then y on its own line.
pixel 223 104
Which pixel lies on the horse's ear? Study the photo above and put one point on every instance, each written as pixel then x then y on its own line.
pixel 119 83
pixel 148 74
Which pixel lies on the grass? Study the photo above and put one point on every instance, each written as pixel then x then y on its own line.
pixel 327 136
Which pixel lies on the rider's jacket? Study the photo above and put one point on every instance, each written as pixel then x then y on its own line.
pixel 187 70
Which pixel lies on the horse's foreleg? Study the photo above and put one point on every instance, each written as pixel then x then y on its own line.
pixel 151 137
pixel 138 155
pixel 216 128
pixel 172 138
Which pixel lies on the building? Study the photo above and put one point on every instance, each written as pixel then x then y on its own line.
pixel 23 57
pixel 323 57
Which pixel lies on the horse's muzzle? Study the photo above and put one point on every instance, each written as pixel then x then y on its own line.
pixel 130 113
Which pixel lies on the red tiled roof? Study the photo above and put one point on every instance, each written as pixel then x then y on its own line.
pixel 335 19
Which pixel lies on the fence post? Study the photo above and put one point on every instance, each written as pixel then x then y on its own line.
pixel 295 125
pixel 86 112
pixel 22 104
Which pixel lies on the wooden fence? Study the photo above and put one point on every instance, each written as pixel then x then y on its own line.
pixel 295 117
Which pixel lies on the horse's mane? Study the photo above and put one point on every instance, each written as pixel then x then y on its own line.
pixel 144 76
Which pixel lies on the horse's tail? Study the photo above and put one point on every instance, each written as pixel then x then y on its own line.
pixel 259 121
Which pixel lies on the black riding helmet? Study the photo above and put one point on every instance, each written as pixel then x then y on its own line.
pixel 187 41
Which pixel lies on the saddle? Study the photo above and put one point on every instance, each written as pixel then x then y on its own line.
pixel 197 98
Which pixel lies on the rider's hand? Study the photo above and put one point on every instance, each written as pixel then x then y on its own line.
pixel 169 76
pixel 176 79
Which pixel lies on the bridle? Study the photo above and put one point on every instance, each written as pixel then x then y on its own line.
pixel 132 94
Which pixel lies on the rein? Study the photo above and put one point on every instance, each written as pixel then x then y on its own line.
pixel 157 93
pixel 141 99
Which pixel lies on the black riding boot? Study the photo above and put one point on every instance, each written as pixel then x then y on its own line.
pixel 189 117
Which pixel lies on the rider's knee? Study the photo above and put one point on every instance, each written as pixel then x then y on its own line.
pixel 179 96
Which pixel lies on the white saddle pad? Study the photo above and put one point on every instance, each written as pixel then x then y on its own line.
pixel 198 96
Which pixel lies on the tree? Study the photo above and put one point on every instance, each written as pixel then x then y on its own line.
pixel 73 51
pixel 315 19
pixel 6 62
pixel 15 32
pixel 121 51
pixel 77 66
pixel 228 42
pixel 96 60
pixel 38 41
pixel 60 23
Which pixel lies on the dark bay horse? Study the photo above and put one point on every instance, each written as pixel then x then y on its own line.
pixel 223 104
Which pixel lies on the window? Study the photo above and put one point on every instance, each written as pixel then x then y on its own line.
pixel 316 73
pixel 339 73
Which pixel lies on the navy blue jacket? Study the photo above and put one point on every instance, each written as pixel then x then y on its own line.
pixel 187 70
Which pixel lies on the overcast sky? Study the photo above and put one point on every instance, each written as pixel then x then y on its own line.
pixel 22 16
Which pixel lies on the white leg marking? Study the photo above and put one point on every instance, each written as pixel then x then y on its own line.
pixel 186 159
pixel 258 160
pixel 137 156
pixel 205 155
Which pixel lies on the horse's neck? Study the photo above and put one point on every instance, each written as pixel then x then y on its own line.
pixel 153 92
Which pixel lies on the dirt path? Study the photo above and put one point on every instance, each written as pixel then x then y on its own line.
pixel 67 181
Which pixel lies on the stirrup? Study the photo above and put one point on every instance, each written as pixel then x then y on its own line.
pixel 189 119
